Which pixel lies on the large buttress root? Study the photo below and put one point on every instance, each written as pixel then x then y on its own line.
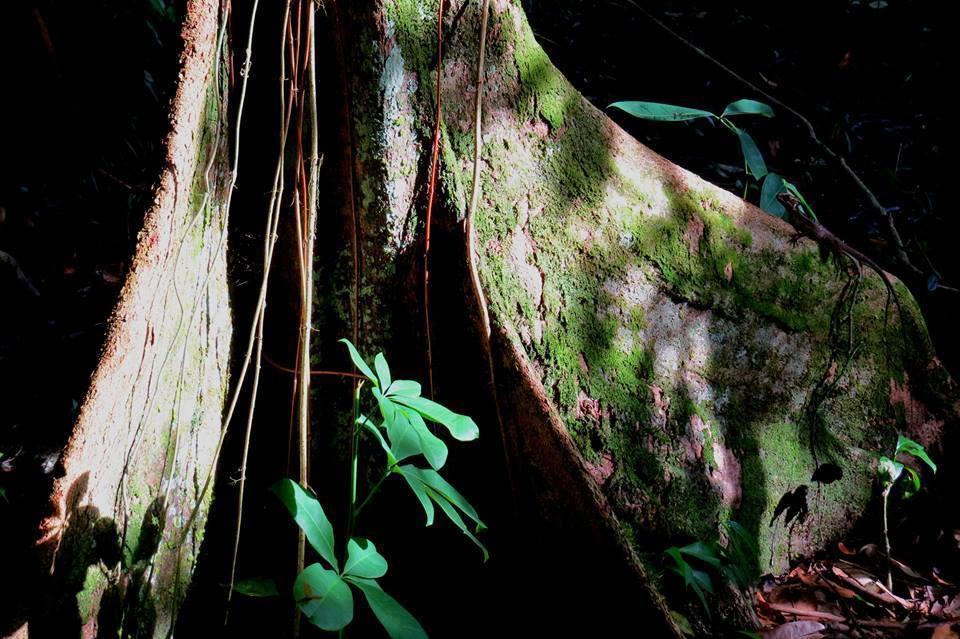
pixel 148 427
pixel 683 350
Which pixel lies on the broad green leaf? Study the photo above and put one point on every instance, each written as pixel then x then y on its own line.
pixel 383 371
pixel 404 441
pixel 889 470
pixel 751 154
pixel 461 427
pixel 661 112
pixel 420 491
pixel 748 107
pixel 702 579
pixel 772 187
pixel 363 560
pixel 358 361
pixel 324 597
pixel 914 486
pixel 387 408
pixel 682 623
pixel 436 488
pixel 367 423
pixel 740 536
pixel 906 445
pixel 394 618
pixel 792 189
pixel 258 587
pixel 433 480
pixel 309 515
pixel 447 507
pixel 705 551
pixel 431 446
pixel 406 387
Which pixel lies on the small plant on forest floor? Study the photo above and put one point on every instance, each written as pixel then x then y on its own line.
pixel 771 184
pixel 890 471
pixel 734 562
pixel 323 590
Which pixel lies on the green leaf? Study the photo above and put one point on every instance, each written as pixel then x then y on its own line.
pixel 682 623
pixel 741 537
pixel 751 154
pixel 363 560
pixel 661 112
pixel 404 387
pixel 889 470
pixel 367 423
pixel 704 551
pixel 309 515
pixel 772 187
pixel 748 107
pixel 792 189
pixel 404 441
pixel 457 520
pixel 461 427
pixel 258 587
pixel 358 361
pixel 383 370
pixel 431 446
pixel 910 447
pixel 421 493
pixel 914 486
pixel 432 479
pixel 324 597
pixel 394 618
pixel 446 496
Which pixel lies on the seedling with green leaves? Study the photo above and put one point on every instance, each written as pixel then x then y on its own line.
pixel 754 165
pixel 324 590
pixel 734 562
pixel 890 470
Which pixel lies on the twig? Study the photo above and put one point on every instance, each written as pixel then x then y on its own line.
pixel 310 224
pixel 296 371
pixel 269 240
pixel 471 241
pixel 431 196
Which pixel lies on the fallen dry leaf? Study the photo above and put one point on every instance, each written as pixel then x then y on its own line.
pixel 796 630
pixel 945 631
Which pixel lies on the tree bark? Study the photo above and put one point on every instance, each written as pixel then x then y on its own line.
pixel 667 357
pixel 116 556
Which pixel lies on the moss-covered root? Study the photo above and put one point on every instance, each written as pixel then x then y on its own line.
pixel 700 362
pixel 147 429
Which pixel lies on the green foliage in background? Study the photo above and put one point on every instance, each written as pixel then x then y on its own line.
pixel 771 184
pixel 734 562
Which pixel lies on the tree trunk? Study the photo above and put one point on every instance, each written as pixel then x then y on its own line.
pixel 667 357
pixel 117 556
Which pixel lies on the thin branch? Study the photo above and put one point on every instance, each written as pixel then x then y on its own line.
pixel 269 241
pixel 431 197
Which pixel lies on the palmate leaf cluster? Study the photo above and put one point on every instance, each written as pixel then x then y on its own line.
pixel 402 433
pixel 324 591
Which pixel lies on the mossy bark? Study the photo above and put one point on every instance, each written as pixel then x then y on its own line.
pixel 114 545
pixel 676 359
